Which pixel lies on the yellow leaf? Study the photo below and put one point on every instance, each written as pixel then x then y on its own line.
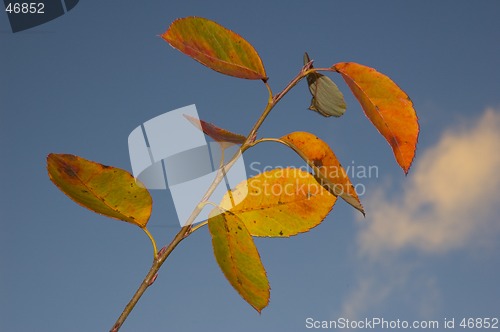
pixel 387 106
pixel 238 258
pixel 103 189
pixel 280 203
pixel 216 47
pixel 328 169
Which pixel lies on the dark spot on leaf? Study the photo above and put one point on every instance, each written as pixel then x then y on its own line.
pixel 317 162
pixel 69 170
pixel 281 233
pixel 394 141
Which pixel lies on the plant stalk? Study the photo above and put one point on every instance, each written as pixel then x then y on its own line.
pixel 186 230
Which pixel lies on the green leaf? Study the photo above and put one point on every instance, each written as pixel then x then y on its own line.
pixel 107 190
pixel 280 203
pixel 216 47
pixel 238 258
pixel 327 99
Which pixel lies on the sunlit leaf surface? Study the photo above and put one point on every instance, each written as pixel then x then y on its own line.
pixel 107 190
pixel 387 106
pixel 215 47
pixel 238 258
pixel 280 203
pixel 330 172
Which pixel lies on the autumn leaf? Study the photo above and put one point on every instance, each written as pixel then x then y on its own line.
pixel 238 258
pixel 387 106
pixel 280 203
pixel 216 47
pixel 327 168
pixel 218 134
pixel 327 99
pixel 107 190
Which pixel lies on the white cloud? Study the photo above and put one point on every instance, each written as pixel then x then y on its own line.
pixel 449 201
pixel 395 283
pixel 449 198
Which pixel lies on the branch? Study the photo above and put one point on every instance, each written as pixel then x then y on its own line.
pixel 188 229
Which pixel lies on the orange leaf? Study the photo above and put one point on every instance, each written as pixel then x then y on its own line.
pixel 280 203
pixel 216 47
pixel 387 106
pixel 327 167
pixel 238 258
pixel 103 189
pixel 218 134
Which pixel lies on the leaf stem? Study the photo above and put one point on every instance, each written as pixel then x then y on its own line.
pixel 153 242
pixel 200 225
pixel 186 230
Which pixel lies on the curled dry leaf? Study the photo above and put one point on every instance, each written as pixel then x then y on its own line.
pixel 280 203
pixel 327 168
pixel 106 190
pixel 238 258
pixel 387 106
pixel 327 99
pixel 216 47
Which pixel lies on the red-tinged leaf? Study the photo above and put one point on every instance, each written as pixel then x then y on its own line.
pixel 327 168
pixel 216 47
pixel 106 190
pixel 387 106
pixel 218 134
pixel 238 258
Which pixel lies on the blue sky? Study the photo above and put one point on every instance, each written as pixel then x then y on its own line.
pixel 427 249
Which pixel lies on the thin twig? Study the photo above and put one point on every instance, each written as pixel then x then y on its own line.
pixel 188 229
